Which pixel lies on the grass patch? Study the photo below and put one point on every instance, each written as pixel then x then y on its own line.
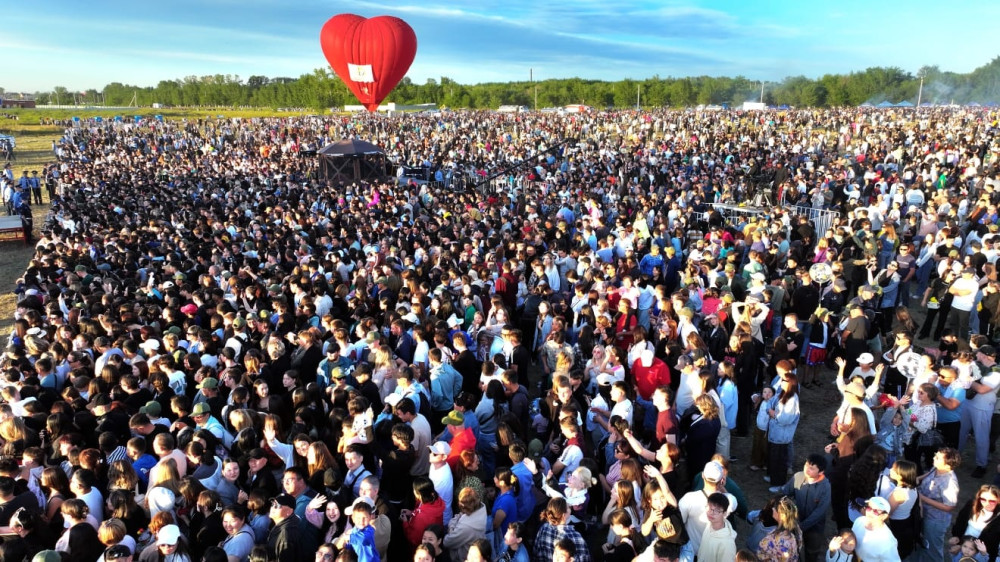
pixel 36 116
pixel 34 151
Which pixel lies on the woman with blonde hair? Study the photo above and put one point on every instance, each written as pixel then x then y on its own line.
pixel 122 476
pixel 384 372
pixel 164 487
pixel 564 362
pixel 822 253
pixel 701 427
pixel 240 419
pixel 112 532
pixel 467 525
pixel 576 491
pixel 782 544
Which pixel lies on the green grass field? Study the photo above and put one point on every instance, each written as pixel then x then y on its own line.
pixel 34 151
pixel 36 116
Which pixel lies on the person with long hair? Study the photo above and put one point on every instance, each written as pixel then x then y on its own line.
pixel 923 418
pixel 747 376
pixel 728 400
pixel 901 493
pixel 164 487
pixel 121 504
pixel 429 511
pixel 863 478
pixel 888 244
pixel 783 413
pixel 622 498
pixel 782 544
pixel 702 431
pixel 55 485
pixel 857 427
pixel 625 542
pixel 505 505
pixel 489 412
pixel 319 460
pixel 468 471
pixel 556 526
pixel 979 518
pixel 325 514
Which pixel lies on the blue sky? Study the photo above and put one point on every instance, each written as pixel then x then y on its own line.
pixel 83 45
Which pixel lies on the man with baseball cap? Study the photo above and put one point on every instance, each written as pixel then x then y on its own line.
pixel 693 505
pixel 288 541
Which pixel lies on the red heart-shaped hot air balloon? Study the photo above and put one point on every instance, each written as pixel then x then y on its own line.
pixel 371 56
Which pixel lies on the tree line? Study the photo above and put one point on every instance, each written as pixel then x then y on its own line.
pixel 322 89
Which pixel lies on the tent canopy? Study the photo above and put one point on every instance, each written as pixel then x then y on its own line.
pixel 351 160
pixel 350 147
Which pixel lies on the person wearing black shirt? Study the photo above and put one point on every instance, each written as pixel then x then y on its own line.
pixel 805 299
pixel 258 476
pixel 306 357
pixel 795 337
pixel 937 302
pixel 854 337
pixel 11 502
pixel 519 358
pixel 136 397
pixel 467 365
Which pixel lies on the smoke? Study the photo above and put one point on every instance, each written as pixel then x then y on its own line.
pixel 943 93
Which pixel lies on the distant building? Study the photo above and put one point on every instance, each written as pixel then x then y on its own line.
pixel 11 104
pixel 392 107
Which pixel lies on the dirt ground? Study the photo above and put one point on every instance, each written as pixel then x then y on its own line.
pixel 818 406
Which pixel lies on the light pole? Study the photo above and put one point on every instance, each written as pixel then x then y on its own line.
pixel 761 91
pixel 920 92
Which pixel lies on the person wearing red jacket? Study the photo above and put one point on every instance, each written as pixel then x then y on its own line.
pixel 429 511
pixel 462 438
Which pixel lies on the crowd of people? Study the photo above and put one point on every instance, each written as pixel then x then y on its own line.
pixel 219 355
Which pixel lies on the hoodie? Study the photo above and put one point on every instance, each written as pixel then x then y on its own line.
pixel 718 545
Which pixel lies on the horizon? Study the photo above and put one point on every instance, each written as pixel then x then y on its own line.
pixel 90 46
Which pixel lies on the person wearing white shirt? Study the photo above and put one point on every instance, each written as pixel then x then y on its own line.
pixel 976 416
pixel 964 291
pixel 694 505
pixel 82 484
pixel 875 541
pixel 622 405
pixel 440 475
